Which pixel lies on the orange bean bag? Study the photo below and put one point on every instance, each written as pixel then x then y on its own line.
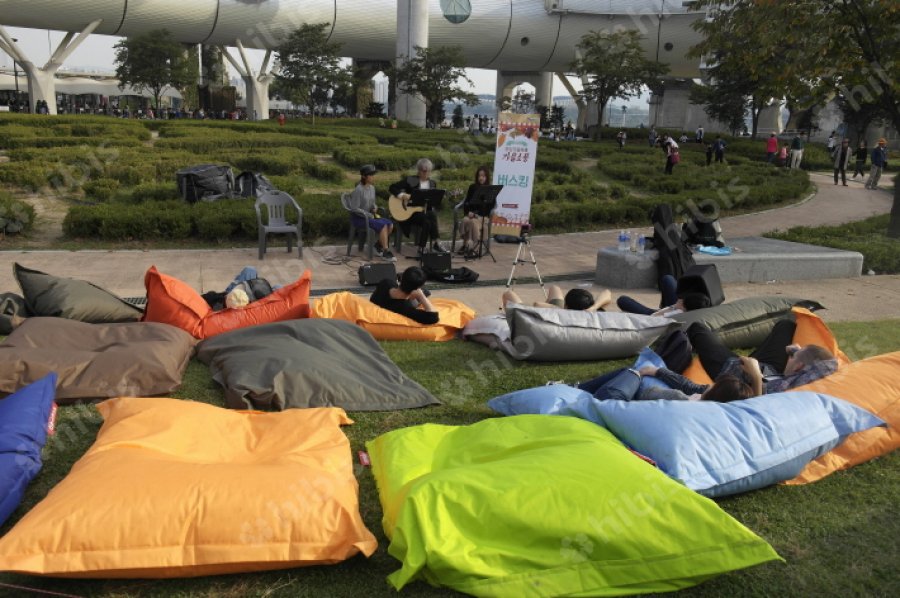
pixel 181 489
pixel 873 384
pixel 388 326
pixel 172 301
pixel 811 330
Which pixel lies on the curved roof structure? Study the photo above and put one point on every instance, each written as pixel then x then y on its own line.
pixel 510 35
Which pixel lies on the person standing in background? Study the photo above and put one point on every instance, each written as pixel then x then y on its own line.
pixel 841 161
pixel 862 153
pixel 879 163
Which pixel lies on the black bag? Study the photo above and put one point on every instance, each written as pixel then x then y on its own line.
pixel 459 275
pixel 206 182
pixel 370 274
pixel 700 231
pixel 675 256
pixel 436 262
pixel 251 184
pixel 675 350
pixel 701 279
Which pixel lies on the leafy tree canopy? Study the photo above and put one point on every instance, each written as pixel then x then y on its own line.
pixel 310 66
pixel 434 74
pixel 154 62
pixel 614 66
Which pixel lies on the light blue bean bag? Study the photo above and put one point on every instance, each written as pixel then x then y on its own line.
pixel 24 418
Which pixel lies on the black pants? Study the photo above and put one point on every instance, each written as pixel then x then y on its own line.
pixel 713 353
pixel 860 166
pixel 669 164
pixel 843 172
pixel 428 227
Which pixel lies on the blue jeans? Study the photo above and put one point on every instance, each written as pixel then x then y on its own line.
pixel 248 273
pixel 667 286
pixel 620 385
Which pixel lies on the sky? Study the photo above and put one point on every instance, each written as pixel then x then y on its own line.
pixel 97 51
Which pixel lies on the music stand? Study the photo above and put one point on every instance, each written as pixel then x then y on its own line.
pixel 483 203
pixel 431 199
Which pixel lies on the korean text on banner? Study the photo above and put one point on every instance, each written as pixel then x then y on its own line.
pixel 517 143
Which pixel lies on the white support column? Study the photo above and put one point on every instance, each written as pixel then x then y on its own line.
pixel 257 86
pixel 543 89
pixel 42 81
pixel 583 107
pixel 770 120
pixel 412 31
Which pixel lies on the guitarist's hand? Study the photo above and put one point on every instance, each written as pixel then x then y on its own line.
pixel 404 197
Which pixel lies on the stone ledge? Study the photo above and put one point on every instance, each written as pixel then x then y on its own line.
pixel 756 259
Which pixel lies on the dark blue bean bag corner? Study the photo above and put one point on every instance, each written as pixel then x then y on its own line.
pixel 24 418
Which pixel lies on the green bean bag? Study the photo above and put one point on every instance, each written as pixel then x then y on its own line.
pixel 536 505
pixel 745 322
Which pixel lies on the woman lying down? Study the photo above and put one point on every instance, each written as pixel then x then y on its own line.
pixel 625 385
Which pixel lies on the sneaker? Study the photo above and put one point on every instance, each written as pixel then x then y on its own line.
pixel 387 256
pixel 379 251
pixel 438 247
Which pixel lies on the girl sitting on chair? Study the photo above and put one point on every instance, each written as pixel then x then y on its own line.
pixel 468 227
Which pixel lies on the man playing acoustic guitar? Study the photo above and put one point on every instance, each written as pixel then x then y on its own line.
pixel 425 219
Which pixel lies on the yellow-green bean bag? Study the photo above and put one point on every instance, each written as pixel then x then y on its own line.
pixel 537 505
pixel 386 325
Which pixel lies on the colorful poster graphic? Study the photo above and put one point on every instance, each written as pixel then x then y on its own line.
pixel 517 143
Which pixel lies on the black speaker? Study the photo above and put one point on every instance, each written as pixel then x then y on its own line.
pixel 704 279
pixel 370 274
pixel 436 262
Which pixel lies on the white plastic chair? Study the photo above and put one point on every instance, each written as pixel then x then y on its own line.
pixel 276 203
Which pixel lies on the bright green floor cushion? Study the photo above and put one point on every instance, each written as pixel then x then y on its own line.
pixel 538 505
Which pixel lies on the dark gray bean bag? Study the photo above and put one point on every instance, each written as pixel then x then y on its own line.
pixel 58 297
pixel 308 363
pixel 745 322
pixel 95 361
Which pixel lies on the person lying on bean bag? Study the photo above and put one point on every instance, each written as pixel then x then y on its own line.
pixel 407 297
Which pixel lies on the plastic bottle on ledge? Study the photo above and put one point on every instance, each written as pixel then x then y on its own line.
pixel 632 242
pixel 623 241
pixel 641 244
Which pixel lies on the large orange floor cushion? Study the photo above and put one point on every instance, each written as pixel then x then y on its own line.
pixel 811 330
pixel 174 302
pixel 873 384
pixel 180 489
pixel 388 326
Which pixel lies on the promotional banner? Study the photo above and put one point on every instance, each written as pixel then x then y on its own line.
pixel 517 143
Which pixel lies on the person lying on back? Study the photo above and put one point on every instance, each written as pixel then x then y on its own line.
pixel 407 297
pixel 576 299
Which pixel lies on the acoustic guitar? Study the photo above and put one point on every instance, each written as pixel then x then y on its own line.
pixel 402 213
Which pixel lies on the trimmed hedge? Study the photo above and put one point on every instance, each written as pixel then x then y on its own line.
pixel 16 216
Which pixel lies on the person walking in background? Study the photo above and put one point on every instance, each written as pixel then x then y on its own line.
pixel 652 137
pixel 672 155
pixel 841 161
pixel 698 136
pixel 831 144
pixel 862 152
pixel 783 156
pixel 879 163
pixel 620 139
pixel 709 153
pixel 796 152
pixel 771 148
pixel 719 147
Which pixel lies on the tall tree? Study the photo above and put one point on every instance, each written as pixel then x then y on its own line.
pixel 434 74
pixel 310 66
pixel 846 47
pixel 724 101
pixel 613 65
pixel 154 62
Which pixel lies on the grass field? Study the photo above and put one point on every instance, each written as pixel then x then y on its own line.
pixel 839 536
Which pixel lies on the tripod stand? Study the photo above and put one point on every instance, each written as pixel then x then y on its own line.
pixel 524 242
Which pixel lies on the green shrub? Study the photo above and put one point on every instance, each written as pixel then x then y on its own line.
pixel 100 189
pixel 225 219
pixel 324 171
pixel 16 216
pixel 27 176
pixel 154 192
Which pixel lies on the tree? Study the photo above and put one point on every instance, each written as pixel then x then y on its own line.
pixel 722 102
pixel 458 119
pixel 523 102
pixel 614 66
pixel 375 110
pixel 738 74
pixel 154 62
pixel 310 67
pixel 846 47
pixel 434 74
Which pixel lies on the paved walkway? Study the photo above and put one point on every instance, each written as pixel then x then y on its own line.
pixel 570 257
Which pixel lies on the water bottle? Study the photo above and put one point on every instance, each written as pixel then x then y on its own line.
pixel 623 241
pixel 632 242
pixel 641 243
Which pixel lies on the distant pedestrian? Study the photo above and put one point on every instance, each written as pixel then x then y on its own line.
pixel 281 119
pixel 719 147
pixel 879 163
pixel 831 144
pixel 621 136
pixel 709 153
pixel 841 161
pixel 783 159
pixel 673 157
pixel 698 136
pixel 796 152
pixel 771 148
pixel 652 137
pixel 862 152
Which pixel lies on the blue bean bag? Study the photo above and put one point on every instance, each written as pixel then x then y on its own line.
pixel 24 419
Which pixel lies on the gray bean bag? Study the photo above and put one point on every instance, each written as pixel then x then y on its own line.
pixel 550 334
pixel 745 322
pixel 95 361
pixel 308 363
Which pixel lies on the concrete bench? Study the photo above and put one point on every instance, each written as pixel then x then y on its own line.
pixel 755 259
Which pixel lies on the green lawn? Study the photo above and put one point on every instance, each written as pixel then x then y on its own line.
pixel 839 537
